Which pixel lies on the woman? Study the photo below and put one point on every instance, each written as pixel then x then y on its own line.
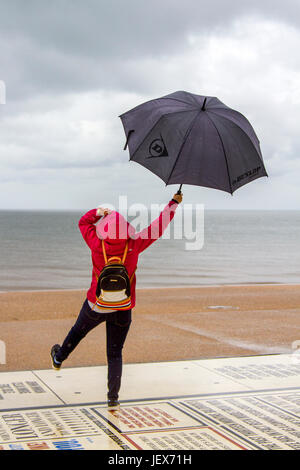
pixel 117 235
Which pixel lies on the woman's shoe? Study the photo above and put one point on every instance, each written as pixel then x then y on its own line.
pixel 113 405
pixel 55 363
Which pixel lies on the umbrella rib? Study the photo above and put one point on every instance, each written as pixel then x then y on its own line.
pixel 161 117
pixel 223 151
pixel 138 106
pixel 180 101
pixel 248 137
pixel 184 141
pixel 244 132
pixel 155 99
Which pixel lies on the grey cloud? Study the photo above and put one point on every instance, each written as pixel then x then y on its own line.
pixel 63 61
pixel 98 27
pixel 62 45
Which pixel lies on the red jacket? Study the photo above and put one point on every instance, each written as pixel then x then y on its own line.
pixel 114 246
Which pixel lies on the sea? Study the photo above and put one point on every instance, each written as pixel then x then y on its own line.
pixel 44 250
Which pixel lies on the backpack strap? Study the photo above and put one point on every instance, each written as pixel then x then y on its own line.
pixel 114 257
pixel 104 252
pixel 125 252
pixel 132 276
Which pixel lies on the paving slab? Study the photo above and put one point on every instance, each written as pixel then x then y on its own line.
pixel 242 403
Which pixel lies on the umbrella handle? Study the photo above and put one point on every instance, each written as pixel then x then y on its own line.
pixel 179 190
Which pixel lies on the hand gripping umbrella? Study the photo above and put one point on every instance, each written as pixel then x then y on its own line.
pixel 190 139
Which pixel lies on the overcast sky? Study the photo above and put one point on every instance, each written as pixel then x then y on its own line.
pixel 71 67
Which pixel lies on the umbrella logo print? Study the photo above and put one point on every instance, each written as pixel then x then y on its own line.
pixel 157 148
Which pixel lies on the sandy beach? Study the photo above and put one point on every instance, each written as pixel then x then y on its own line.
pixel 168 325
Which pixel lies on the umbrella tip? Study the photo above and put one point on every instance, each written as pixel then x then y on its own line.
pixel 129 134
pixel 204 103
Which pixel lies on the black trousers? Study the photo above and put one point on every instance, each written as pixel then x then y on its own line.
pixel 117 327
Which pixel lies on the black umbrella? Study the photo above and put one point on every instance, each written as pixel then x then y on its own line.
pixel 191 139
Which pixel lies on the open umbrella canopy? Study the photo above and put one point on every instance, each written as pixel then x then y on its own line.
pixel 190 139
